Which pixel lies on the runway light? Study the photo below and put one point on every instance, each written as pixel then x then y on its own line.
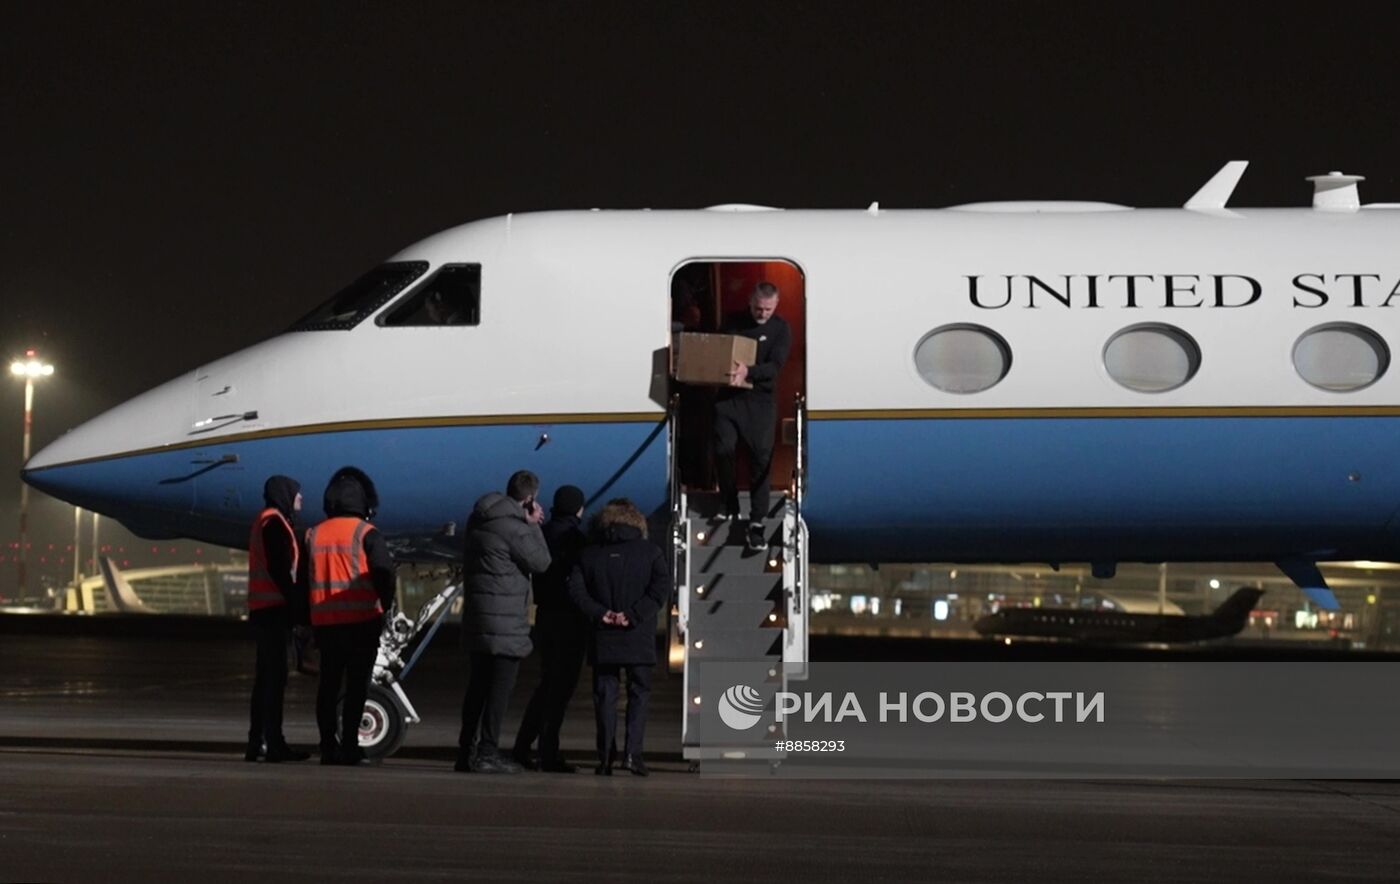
pixel 31 368
pixel 1214 584
pixel 1006 641
pixel 772 563
pixel 696 700
pixel 699 590
pixel 700 537
pixel 699 643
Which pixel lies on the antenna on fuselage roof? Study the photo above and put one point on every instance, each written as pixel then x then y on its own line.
pixel 1336 192
pixel 1216 192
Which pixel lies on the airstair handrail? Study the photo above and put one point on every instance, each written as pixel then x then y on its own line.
pixel 799 463
pixel 674 495
pixel 799 540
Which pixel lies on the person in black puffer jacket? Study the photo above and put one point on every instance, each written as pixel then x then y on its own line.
pixel 619 585
pixel 560 634
pixel 504 547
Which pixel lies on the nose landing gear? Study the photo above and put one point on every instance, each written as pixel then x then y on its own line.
pixel 388 713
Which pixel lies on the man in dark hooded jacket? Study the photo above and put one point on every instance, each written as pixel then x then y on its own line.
pixel 351 585
pixel 559 634
pixel 276 601
pixel 620 584
pixel 504 547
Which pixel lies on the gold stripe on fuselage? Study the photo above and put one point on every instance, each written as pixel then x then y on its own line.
pixel 1129 412
pixel 816 415
pixel 483 420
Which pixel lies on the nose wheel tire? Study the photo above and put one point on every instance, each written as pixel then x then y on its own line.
pixel 383 723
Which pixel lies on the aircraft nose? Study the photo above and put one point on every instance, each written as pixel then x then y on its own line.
pixel 114 463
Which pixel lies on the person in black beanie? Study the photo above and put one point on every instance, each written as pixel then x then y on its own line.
pixel 276 600
pixel 560 633
pixel 350 584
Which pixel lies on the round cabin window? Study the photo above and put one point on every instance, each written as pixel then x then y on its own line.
pixel 962 358
pixel 1152 358
pixel 1341 357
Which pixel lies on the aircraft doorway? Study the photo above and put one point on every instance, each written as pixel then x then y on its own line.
pixel 708 297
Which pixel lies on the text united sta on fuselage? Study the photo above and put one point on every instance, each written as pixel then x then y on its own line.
pixel 1176 290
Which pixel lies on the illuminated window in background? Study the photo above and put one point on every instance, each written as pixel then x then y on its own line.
pixel 1151 358
pixel 1341 357
pixel 940 609
pixel 859 604
pixel 874 606
pixel 962 358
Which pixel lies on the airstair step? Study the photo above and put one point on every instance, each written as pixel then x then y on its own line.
pixel 720 615
pixel 763 645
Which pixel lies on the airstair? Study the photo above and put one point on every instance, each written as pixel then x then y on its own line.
pixel 739 622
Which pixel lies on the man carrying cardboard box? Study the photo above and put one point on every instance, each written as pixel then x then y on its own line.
pixel 745 410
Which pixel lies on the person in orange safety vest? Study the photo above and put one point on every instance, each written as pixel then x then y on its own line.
pixel 350 585
pixel 275 598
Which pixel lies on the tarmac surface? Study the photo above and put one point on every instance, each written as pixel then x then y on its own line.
pixel 120 759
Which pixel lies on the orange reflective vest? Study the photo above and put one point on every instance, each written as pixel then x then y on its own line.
pixel 263 591
pixel 341 588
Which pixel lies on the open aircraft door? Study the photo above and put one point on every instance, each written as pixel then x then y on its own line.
pixel 739 623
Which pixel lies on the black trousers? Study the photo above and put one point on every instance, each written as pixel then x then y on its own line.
pixel 605 684
pixel 271 631
pixel 562 642
pixel 347 656
pixel 751 419
pixel 484 707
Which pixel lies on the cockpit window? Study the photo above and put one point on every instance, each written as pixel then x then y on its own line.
pixel 362 297
pixel 452 296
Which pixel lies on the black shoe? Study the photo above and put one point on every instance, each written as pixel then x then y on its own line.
pixel 524 758
pixel 558 765
pixel 603 770
pixel 634 764
pixel 350 757
pixel 754 538
pixel 464 763
pixel 253 752
pixel 494 764
pixel 278 754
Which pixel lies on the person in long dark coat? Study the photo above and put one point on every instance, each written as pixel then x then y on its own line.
pixel 504 547
pixel 619 585
pixel 560 634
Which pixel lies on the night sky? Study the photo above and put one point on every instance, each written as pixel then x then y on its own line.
pixel 178 181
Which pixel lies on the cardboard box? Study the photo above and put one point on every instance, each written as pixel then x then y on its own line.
pixel 707 359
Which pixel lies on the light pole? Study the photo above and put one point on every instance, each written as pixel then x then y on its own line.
pixel 96 547
pixel 31 368
pixel 77 549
